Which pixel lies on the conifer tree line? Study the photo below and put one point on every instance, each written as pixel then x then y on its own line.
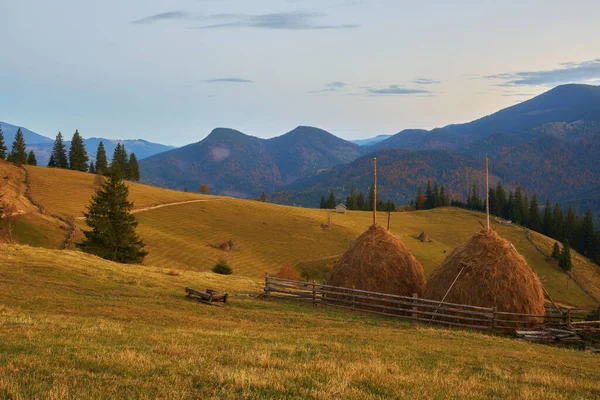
pixel 577 232
pixel 432 198
pixel 356 201
pixel 18 153
pixel 126 166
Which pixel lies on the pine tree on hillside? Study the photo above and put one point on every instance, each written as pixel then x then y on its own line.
pixel 360 201
pixel 59 153
pixel 564 260
pixel 517 216
pixel 119 162
pixel 588 235
pixel 17 155
pixel 331 202
pixel 133 168
pixel 351 202
pixel 436 195
pixel 535 223
pixel 444 199
pixel 500 200
pixel 556 230
pixel 2 145
pixel 323 203
pixel 547 221
pixel 78 157
pixel 429 195
pixel 570 226
pixel 92 169
pixel 31 160
pixel 51 161
pixel 101 161
pixel 555 251
pixel 525 211
pixel 112 236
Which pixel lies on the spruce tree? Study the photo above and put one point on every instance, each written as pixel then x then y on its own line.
pixel 547 221
pixel 31 160
pixel 92 169
pixel 360 201
pixel 59 153
pixel 525 211
pixel 500 200
pixel 323 203
pixel 436 195
pixel 18 155
pixel 556 231
pixel 351 199
pixel 518 206
pixel 570 227
pixel 535 223
pixel 429 195
pixel 133 168
pixel 331 203
pixel 588 235
pixel 2 145
pixel 51 161
pixel 119 162
pixel 555 251
pixel 444 199
pixel 101 161
pixel 112 236
pixel 564 260
pixel 78 157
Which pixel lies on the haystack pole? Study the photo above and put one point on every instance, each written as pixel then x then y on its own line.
pixel 374 191
pixel 487 194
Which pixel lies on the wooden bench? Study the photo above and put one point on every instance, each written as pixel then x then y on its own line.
pixel 209 296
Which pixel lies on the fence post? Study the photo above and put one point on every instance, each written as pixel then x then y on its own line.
pixel 494 319
pixel 267 291
pixel 314 294
pixel 598 314
pixel 414 308
pixel 569 318
pixel 353 297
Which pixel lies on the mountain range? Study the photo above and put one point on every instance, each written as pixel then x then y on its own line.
pixel 549 145
pixel 233 163
pixel 42 146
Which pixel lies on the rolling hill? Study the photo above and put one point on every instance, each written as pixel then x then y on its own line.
pixel 233 163
pixel 266 235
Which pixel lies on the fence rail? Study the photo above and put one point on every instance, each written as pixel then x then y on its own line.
pixel 429 311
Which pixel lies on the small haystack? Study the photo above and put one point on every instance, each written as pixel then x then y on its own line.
pixel 423 237
pixel 494 275
pixel 378 262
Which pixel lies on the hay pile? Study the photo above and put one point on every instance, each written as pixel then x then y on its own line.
pixel 494 275
pixel 378 262
pixel 423 237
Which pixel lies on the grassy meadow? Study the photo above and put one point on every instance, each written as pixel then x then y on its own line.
pixel 75 326
pixel 267 236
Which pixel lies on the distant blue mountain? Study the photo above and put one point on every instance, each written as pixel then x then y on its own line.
pixel 371 141
pixel 10 131
pixel 42 146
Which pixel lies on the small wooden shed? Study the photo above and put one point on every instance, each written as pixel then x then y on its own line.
pixel 340 209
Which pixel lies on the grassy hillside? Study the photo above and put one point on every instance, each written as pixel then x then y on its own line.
pixel 75 326
pixel 67 193
pixel 22 223
pixel 269 235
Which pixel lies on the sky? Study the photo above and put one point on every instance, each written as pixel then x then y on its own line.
pixel 170 71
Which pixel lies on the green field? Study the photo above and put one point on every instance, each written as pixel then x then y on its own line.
pixel 75 326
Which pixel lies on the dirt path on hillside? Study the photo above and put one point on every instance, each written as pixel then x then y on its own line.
pixel 137 210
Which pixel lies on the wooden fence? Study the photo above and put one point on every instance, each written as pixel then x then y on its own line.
pixel 427 311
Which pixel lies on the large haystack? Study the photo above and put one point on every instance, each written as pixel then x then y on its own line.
pixel 494 275
pixel 378 262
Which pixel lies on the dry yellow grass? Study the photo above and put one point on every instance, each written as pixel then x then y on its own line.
pixel 269 235
pixel 22 222
pixel 67 193
pixel 75 326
